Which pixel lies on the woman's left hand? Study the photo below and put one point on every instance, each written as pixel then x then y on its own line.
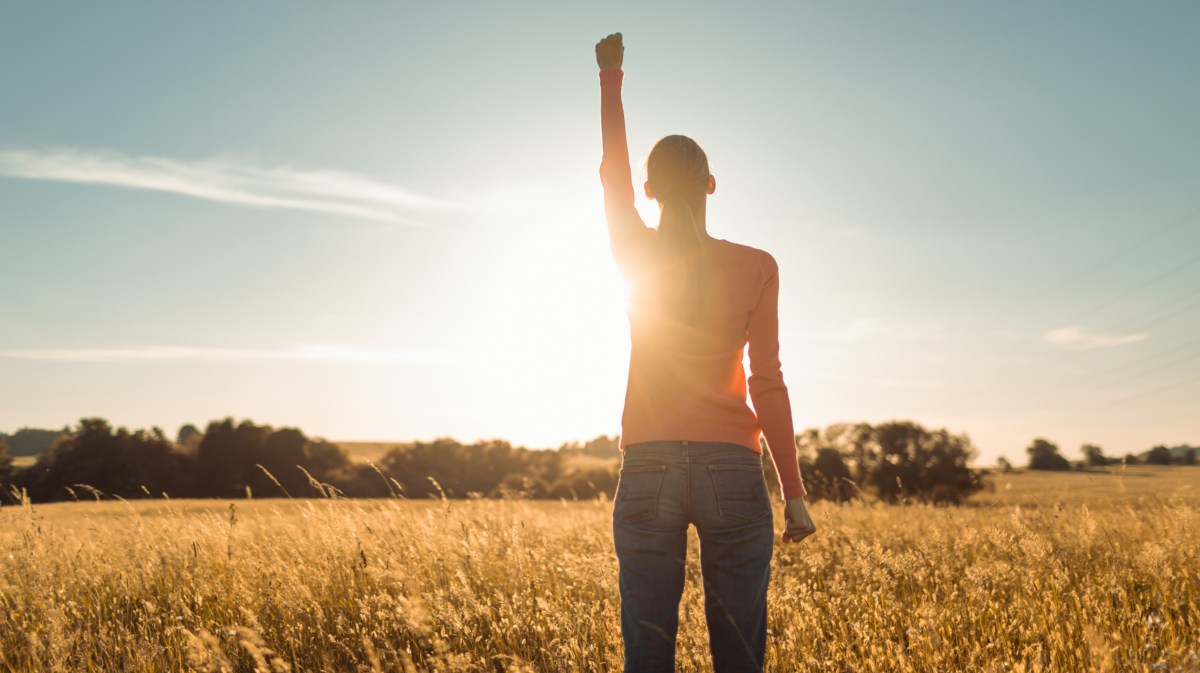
pixel 799 524
pixel 610 52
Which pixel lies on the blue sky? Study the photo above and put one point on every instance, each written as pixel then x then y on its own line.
pixel 384 222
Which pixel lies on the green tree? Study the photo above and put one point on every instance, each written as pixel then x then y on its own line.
pixel 1044 455
pixel 896 461
pixel 857 443
pixel 114 461
pixel 1094 455
pixel 1159 455
pixel 225 459
pixel 923 465
pixel 602 446
pixel 231 458
pixel 5 460
pixel 830 477
pixel 189 437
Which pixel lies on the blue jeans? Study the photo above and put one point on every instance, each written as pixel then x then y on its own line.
pixel 719 487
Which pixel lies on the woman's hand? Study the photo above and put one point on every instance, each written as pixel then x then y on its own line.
pixel 610 52
pixel 799 524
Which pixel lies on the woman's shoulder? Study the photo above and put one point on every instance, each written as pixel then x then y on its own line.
pixel 749 254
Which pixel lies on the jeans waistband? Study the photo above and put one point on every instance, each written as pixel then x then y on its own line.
pixel 679 447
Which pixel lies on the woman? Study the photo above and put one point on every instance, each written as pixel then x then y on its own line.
pixel 689 441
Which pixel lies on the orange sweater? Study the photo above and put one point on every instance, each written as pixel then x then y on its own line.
pixel 687 381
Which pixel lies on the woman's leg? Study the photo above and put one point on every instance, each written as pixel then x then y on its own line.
pixel 650 536
pixel 732 511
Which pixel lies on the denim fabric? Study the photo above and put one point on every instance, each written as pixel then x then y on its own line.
pixel 719 488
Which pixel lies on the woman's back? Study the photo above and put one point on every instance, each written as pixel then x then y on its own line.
pixel 686 378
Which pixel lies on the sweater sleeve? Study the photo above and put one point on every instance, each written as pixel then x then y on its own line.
pixel 626 230
pixel 767 389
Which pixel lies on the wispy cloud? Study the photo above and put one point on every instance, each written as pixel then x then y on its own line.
pixel 226 180
pixel 301 352
pixel 1074 337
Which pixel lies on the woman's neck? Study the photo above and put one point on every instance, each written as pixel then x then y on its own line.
pixel 698 212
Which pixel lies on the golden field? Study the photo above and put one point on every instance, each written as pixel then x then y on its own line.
pixel 1096 571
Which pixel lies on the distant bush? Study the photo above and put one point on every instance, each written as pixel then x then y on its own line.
pixel 496 469
pixel 1159 455
pixel 1093 455
pixel 31 441
pixel 1044 455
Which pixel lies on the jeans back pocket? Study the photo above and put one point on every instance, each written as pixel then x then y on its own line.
pixel 741 492
pixel 637 492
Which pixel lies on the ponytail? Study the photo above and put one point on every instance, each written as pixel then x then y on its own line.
pixel 684 280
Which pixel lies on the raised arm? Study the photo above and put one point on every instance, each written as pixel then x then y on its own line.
pixel 627 232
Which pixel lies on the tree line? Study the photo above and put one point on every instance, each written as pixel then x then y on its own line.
pixel 1045 455
pixel 232 459
pixel 892 462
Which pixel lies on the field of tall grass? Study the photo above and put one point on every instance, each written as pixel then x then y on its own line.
pixel 1046 572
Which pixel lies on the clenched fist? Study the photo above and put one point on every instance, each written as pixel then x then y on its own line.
pixel 799 524
pixel 610 52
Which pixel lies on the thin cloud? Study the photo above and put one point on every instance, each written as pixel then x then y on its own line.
pixel 302 352
pixel 1074 337
pixel 225 180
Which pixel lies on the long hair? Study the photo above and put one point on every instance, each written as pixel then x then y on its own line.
pixel 677 173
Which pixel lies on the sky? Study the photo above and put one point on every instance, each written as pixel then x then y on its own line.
pixel 383 221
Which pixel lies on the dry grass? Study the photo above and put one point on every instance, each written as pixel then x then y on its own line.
pixel 1048 572
pixel 1095 487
